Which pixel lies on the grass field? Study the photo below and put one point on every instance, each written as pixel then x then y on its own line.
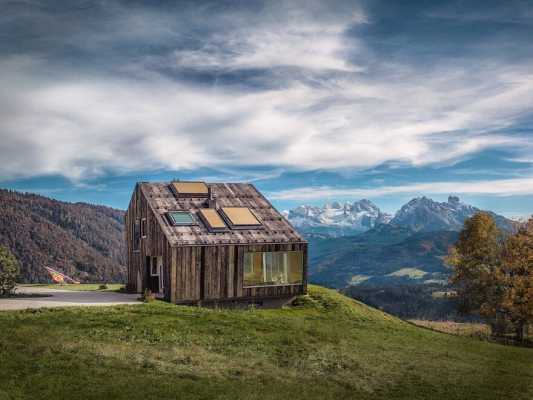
pixel 470 329
pixel 79 286
pixel 327 347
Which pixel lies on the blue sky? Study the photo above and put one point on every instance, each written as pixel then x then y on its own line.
pixel 310 101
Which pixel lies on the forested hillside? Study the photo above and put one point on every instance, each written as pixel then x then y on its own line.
pixel 79 239
pixel 384 255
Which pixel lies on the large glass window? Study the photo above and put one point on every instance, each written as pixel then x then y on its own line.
pixel 273 268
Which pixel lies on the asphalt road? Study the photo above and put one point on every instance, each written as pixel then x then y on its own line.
pixel 65 298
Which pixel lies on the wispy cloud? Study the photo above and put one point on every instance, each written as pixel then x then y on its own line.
pixel 315 101
pixel 502 187
pixel 83 128
pixel 301 45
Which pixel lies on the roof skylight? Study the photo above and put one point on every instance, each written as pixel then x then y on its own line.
pixel 240 217
pixel 181 218
pixel 189 189
pixel 212 219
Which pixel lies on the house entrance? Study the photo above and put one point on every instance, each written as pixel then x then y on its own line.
pixel 154 266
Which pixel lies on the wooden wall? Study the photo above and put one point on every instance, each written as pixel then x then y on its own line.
pixel 154 244
pixel 216 273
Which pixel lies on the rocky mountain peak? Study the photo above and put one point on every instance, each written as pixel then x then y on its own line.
pixel 334 217
pixel 453 200
pixel 419 214
pixel 424 214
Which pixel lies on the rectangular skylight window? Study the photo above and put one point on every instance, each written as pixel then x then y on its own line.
pixel 190 189
pixel 181 218
pixel 241 217
pixel 212 219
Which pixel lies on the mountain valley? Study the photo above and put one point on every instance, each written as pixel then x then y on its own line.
pixel 357 244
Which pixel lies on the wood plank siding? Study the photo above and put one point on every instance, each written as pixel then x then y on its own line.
pixel 155 244
pixel 210 271
pixel 216 273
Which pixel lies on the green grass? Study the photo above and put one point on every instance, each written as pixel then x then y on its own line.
pixel 327 347
pixel 80 286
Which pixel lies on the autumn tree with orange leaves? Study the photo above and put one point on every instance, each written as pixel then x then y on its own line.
pixel 516 277
pixel 493 274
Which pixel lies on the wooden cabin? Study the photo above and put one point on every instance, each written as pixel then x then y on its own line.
pixel 212 243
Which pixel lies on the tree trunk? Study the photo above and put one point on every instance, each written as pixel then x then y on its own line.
pixel 521 331
pixel 499 325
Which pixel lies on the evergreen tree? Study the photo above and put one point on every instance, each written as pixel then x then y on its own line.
pixel 9 270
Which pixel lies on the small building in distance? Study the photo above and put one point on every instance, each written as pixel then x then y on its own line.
pixel 212 243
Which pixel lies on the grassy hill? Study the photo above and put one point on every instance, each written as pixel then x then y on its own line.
pixel 82 240
pixel 326 347
pixel 376 255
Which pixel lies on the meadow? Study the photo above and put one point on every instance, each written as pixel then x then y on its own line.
pixel 326 346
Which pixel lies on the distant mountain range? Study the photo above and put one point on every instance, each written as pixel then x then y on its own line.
pixel 419 215
pixel 82 240
pixel 338 219
pixel 357 244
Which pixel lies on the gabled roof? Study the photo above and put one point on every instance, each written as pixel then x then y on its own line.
pixel 274 227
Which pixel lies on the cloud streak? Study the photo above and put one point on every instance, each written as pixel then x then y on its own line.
pixel 500 187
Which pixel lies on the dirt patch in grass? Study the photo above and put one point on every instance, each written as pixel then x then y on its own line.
pixel 477 330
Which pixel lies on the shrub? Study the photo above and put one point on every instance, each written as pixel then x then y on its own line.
pixel 103 287
pixel 147 296
pixel 9 271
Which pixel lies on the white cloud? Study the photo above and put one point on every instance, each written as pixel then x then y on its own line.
pixel 284 35
pixel 315 48
pixel 85 127
pixel 78 124
pixel 499 187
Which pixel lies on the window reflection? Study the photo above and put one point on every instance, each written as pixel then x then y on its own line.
pixel 273 268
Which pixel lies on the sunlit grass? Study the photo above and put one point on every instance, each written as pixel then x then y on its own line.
pixel 326 346
pixel 470 329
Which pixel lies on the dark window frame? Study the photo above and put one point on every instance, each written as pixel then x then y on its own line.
pixel 143 227
pixel 153 266
pixel 136 235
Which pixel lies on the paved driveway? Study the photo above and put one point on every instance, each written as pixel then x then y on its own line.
pixel 66 298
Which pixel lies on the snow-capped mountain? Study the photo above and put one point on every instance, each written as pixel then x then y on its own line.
pixel 410 249
pixel 421 214
pixel 425 215
pixel 338 218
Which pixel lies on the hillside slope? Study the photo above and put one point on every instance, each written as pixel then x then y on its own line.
pixel 82 240
pixel 327 347
pixel 386 254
